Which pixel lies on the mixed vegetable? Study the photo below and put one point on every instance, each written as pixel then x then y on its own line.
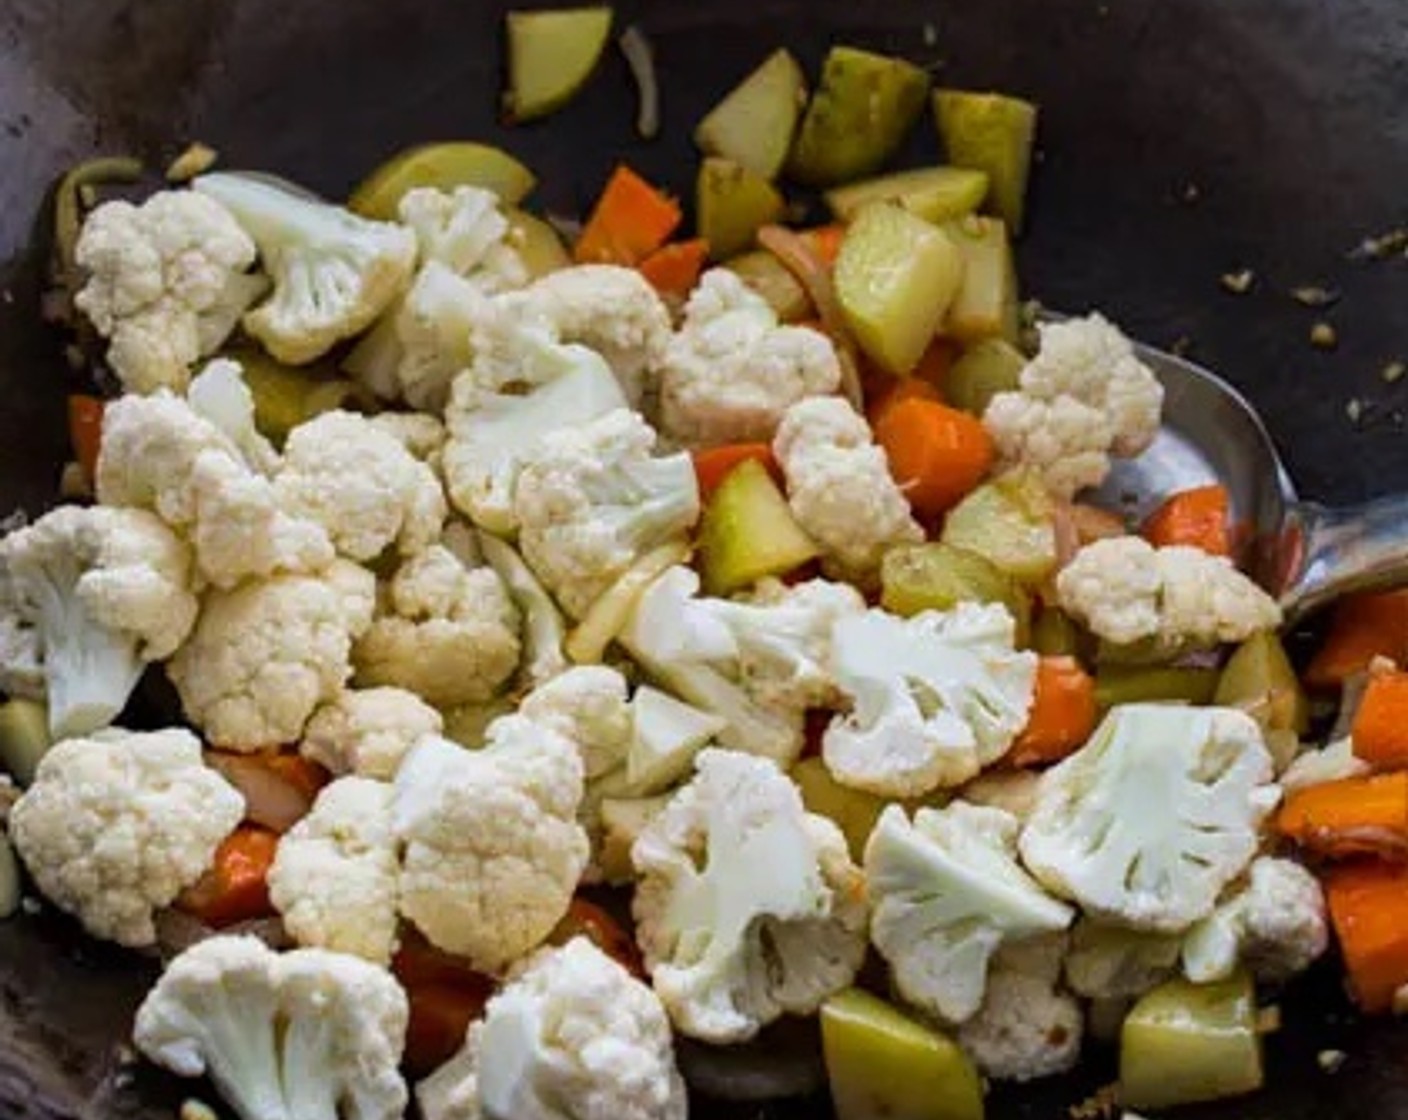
pixel 743 575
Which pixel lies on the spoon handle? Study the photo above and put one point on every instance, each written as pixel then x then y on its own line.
pixel 1334 551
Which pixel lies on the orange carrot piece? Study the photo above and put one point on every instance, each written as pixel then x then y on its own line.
pixel 1380 730
pixel 824 242
pixel 1199 517
pixel 85 431
pixel 1368 904
pixel 1362 628
pixel 631 220
pixel 1062 715
pixel 236 887
pixel 937 454
pixel 440 1015
pixel 886 390
pixel 674 269
pixel 714 464
pixel 586 919
pixel 1349 817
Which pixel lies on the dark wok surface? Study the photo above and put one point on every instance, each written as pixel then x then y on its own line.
pixel 1288 116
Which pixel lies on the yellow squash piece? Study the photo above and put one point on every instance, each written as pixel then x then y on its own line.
pixel 986 303
pixel 286 396
pixel 982 371
pixel 772 280
pixel 853 811
pixel 1154 684
pixel 936 194
pixel 895 278
pixel 732 204
pixel 459 163
pixel 1183 1043
pixel 938 577
pixel 538 244
pixel 1011 522
pixel 748 532
pixel 24 738
pixel 754 123
pixel 882 1063
pixel 864 105
pixel 1054 634
pixel 551 54
pixel 992 133
pixel 1260 679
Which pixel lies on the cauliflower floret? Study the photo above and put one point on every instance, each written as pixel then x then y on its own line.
pixel 167 282
pixel 465 231
pixel 157 453
pixel 592 500
pixel 263 656
pixel 1159 811
pixel 935 697
pixel 366 490
pixel 757 666
pixel 611 310
pixel 368 731
pixel 1330 763
pixel 114 828
pixel 1026 1028
pixel 1084 397
pixel 106 591
pixel 333 272
pixel 748 907
pixel 732 371
pixel 445 631
pixel 435 326
pixel 840 489
pixel 493 850
pixel 219 394
pixel 418 432
pixel 544 628
pixel 946 892
pixel 1175 598
pixel 334 876
pixel 1275 925
pixel 308 1034
pixel 573 1035
pixel 589 706
pixel 1110 962
pixel 492 431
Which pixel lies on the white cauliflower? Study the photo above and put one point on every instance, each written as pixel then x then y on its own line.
pixel 219 393
pixel 368 731
pixel 167 282
pixel 1012 791
pixel 334 876
pixel 757 666
pixel 733 370
pixel 444 630
pixel 434 330
pixel 263 656
pixel 934 698
pixel 1111 962
pixel 114 828
pixel 464 230
pixel 1154 816
pixel 1330 763
pixel 1027 1028
pixel 493 850
pixel 1084 397
pixel 158 454
pixel 418 432
pixel 306 1035
pixel 946 892
pixel 572 1035
pixel 1170 599
pixel 366 490
pixel 748 907
pixel 840 489
pixel 1275 925
pixel 544 628
pixel 593 499
pixel 611 310
pixel 333 272
pixel 106 591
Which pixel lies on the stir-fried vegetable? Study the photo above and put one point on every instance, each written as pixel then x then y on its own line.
pixel 24 737
pixel 753 125
pixel 460 163
pixel 936 194
pixel 631 220
pixel 748 533
pixel 731 204
pixel 1381 726
pixel 1350 817
pixel 551 54
pixel 991 133
pixel 1199 517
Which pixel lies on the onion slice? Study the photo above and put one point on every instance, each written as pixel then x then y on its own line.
pixel 640 57
pixel 608 616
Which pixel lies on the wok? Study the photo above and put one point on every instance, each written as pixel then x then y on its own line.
pixel 1181 139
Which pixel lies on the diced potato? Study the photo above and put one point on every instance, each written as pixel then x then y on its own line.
pixel 537 243
pixel 443 166
pixel 1137 684
pixel 864 105
pixel 1260 678
pixel 24 738
pixel 853 811
pixel 1183 1043
pixel 748 532
pixel 1011 522
pixel 991 133
pixel 882 1063
pixel 754 123
pixel 936 194
pixel 551 54
pixel 772 280
pixel 896 276
pixel 1054 634
pixel 983 370
pixel 732 203
pixel 986 303
pixel 937 576
pixel 286 396
pixel 622 821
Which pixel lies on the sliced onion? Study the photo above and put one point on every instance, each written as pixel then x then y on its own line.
pixel 608 616
pixel 640 57
pixel 269 800
pixel 797 257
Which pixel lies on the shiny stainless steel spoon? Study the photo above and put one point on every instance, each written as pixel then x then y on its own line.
pixel 1303 553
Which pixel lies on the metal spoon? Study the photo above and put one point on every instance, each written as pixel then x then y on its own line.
pixel 1303 553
